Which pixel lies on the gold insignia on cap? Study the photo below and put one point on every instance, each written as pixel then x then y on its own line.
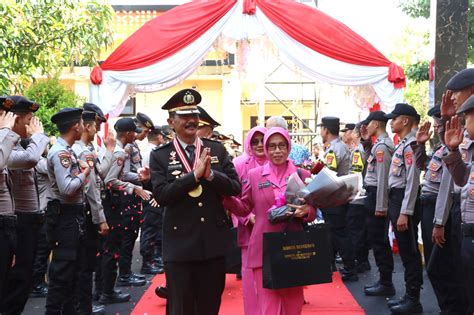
pixel 8 103
pixel 188 98
pixel 34 107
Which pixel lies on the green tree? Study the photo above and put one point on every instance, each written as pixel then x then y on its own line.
pixel 41 37
pixel 51 96
pixel 421 8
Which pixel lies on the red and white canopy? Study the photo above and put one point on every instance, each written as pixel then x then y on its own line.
pixel 171 47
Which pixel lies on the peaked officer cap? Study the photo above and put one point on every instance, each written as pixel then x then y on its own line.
pixel 183 102
pixel 205 119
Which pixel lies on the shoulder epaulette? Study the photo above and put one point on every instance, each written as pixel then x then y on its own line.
pixel 162 146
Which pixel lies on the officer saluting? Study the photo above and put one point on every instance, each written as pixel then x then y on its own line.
pixel 404 181
pixel 190 176
pixel 8 139
pixel 65 212
pixel 462 171
pixel 376 184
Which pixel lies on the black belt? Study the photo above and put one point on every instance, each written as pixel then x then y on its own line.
pixel 7 221
pixel 73 208
pixel 467 229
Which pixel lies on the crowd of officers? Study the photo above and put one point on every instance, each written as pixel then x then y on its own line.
pixel 86 207
pixel 442 202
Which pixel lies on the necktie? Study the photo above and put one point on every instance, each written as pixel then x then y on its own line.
pixel 190 149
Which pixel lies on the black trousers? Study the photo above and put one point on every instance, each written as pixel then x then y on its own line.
pixel 7 249
pixel 467 253
pixel 444 270
pixel 131 213
pixel 20 281
pixel 428 204
pixel 195 287
pixel 336 217
pixel 113 241
pixel 89 252
pixel 68 237
pixel 43 250
pixel 377 229
pixel 356 227
pixel 150 237
pixel 407 242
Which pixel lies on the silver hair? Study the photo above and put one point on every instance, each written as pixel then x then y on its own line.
pixel 277 121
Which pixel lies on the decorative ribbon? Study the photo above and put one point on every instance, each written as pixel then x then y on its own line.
pixel 182 154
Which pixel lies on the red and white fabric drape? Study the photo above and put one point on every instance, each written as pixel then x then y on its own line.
pixel 170 47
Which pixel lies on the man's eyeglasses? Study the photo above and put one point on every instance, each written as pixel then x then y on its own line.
pixel 256 141
pixel 280 146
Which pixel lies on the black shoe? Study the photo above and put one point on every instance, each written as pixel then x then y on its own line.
pixel 380 290
pixel 138 276
pixel 41 290
pixel 159 262
pixel 371 285
pixel 130 280
pixel 151 269
pixel 411 305
pixel 348 275
pixel 98 309
pixel 162 292
pixel 114 298
pixel 363 267
pixel 391 303
pixel 339 259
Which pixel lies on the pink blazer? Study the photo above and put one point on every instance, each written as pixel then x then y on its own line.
pixel 259 195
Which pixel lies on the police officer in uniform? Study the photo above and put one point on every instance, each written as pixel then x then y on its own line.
pixel 190 176
pixel 150 237
pixel 116 207
pixel 347 134
pixel 206 124
pixel 95 222
pixel 8 140
pixel 404 181
pixel 65 212
pixel 135 174
pixel 356 213
pixel 462 171
pixel 23 159
pixel 442 255
pixel 102 164
pixel 337 158
pixel 376 202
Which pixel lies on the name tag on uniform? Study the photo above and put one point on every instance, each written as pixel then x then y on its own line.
pixel 175 167
pixel 264 185
pixel 214 159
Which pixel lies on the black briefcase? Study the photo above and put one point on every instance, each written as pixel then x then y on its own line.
pixel 233 258
pixel 293 259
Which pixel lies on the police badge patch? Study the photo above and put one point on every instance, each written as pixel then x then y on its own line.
pixel 90 160
pixel 65 159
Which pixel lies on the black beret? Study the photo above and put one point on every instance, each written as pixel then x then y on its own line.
pixel 461 80
pixel 205 119
pixel 435 111
pixel 402 109
pixel 6 103
pixel 145 120
pixel 183 102
pixel 89 116
pixel 329 121
pixel 377 115
pixel 126 124
pixel 467 105
pixel 23 105
pixel 348 127
pixel 67 115
pixel 89 107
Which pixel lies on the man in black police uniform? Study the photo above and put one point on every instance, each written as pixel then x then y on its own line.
pixel 190 176
pixel 65 212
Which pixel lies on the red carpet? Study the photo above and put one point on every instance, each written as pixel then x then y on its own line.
pixel 324 299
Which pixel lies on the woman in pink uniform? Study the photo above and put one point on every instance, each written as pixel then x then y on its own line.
pixel 264 184
pixel 254 156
